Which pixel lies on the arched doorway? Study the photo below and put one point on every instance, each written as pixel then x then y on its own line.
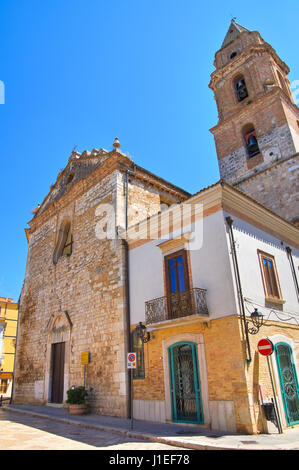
pixel 58 357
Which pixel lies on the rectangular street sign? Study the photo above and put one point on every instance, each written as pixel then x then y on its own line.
pixel 84 358
pixel 131 362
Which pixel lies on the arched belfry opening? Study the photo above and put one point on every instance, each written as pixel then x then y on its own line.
pixel 240 88
pixel 250 140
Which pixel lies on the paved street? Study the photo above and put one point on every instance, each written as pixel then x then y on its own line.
pixel 23 432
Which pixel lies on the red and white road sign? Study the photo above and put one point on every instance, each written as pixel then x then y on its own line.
pixel 265 347
pixel 131 363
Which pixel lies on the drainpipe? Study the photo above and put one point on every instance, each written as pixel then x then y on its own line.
pixel 15 355
pixel 289 252
pixel 127 293
pixel 128 321
pixel 229 222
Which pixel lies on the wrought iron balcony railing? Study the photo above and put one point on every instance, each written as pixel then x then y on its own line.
pixel 176 305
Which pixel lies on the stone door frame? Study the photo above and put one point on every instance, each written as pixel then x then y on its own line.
pixel 199 341
pixel 59 331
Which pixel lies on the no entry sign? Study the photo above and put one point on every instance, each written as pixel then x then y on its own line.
pixel 265 347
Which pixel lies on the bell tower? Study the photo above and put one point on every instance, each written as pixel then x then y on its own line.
pixel 258 125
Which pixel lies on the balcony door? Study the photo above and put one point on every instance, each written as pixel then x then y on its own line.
pixel 178 285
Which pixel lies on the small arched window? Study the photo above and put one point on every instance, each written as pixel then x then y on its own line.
pixel 251 142
pixel 240 88
pixel 64 244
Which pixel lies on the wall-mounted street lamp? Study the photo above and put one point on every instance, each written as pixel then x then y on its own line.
pixel 142 332
pixel 257 319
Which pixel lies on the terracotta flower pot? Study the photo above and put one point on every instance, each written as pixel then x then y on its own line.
pixel 76 410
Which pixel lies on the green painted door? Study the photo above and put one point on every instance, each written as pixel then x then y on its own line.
pixel 186 405
pixel 288 382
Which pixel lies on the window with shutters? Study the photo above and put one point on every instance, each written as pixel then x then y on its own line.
pixel 179 299
pixel 269 276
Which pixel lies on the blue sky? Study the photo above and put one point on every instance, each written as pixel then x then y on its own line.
pixel 80 72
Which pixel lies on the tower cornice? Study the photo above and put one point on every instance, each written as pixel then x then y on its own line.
pixel 258 49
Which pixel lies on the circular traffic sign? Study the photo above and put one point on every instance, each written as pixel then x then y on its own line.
pixel 131 357
pixel 265 347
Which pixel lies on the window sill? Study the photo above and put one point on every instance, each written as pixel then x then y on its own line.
pixel 275 300
pixel 255 154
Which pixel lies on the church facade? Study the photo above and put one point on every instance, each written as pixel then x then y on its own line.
pixel 115 250
pixel 74 294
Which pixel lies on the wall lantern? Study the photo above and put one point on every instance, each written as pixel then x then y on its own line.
pixel 142 332
pixel 257 319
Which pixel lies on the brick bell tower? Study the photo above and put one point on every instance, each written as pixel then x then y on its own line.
pixel 257 135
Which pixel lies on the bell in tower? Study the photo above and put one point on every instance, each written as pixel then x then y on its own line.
pixel 241 89
pixel 252 145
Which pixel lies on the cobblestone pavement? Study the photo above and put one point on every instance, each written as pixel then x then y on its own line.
pixel 23 432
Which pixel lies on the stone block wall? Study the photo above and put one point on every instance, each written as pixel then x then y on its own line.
pixel 277 188
pixel 81 300
pixel 89 286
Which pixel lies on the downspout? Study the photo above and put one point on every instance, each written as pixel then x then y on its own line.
pixel 229 222
pixel 128 322
pixel 15 355
pixel 289 252
pixel 127 292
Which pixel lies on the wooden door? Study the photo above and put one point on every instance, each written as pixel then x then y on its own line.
pixel 58 351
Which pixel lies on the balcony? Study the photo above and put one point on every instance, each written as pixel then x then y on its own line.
pixel 177 305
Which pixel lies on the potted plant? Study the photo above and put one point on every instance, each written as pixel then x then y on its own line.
pixel 76 398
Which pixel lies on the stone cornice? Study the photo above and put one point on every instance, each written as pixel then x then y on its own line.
pixel 220 196
pixel 161 225
pixel 246 208
pixel 218 74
